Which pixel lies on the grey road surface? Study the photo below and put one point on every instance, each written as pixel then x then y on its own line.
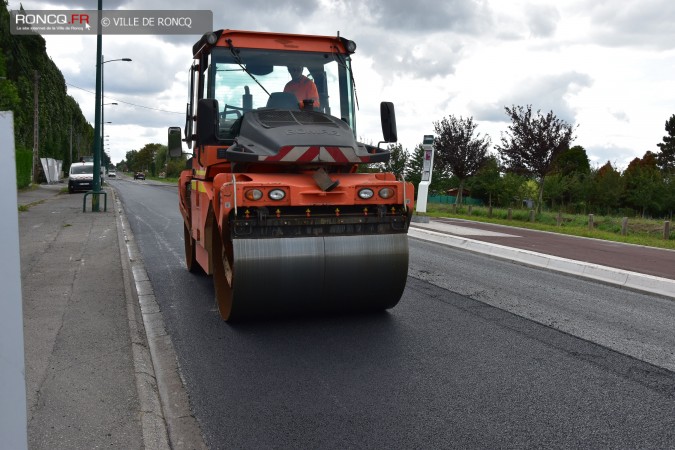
pixel 477 354
pixel 635 324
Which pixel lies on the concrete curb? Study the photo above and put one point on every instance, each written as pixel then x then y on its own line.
pixel 158 374
pixel 155 435
pixel 623 278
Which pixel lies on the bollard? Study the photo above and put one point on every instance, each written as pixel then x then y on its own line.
pixel 559 218
pixel 94 200
pixel 490 212
pixel 624 226
pixel 666 230
pixel 590 221
pixel 509 214
pixel 532 215
pixel 470 209
pixel 454 208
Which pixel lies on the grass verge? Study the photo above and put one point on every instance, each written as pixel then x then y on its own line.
pixel 639 231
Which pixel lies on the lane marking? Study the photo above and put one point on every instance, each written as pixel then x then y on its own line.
pixel 462 231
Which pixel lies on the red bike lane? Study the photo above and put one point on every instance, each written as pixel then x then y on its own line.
pixel 635 258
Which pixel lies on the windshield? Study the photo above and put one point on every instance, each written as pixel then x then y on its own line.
pixel 237 92
pixel 82 169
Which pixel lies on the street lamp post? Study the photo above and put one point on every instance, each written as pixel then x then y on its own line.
pixel 102 85
pixel 103 122
pixel 97 119
pixel 103 115
pixel 105 145
pixel 98 131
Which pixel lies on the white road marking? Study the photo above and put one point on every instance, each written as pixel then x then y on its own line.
pixel 462 231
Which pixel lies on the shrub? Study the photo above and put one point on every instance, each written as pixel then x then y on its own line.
pixel 24 162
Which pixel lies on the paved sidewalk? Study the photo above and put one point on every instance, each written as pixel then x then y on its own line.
pixel 89 382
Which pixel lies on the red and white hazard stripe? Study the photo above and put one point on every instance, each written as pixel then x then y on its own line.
pixel 315 154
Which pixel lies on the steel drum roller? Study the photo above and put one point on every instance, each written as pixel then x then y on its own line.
pixel 318 274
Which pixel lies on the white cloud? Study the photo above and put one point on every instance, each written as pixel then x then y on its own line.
pixel 619 157
pixel 620 115
pixel 543 19
pixel 545 93
pixel 634 23
pixel 423 16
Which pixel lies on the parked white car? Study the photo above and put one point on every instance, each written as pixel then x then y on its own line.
pixel 81 177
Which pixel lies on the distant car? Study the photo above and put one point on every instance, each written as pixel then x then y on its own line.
pixel 139 176
pixel 112 173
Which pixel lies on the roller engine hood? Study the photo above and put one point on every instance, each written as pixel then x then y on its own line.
pixel 266 131
pixel 284 136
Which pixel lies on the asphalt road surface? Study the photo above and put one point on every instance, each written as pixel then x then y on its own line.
pixel 478 353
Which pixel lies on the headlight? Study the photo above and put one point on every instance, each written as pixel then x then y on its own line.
pixel 253 194
pixel 277 194
pixel 386 192
pixel 366 193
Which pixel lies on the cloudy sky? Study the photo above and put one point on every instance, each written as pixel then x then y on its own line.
pixel 607 66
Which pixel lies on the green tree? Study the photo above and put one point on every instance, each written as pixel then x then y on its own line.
pixel 171 167
pixel 565 182
pixel 579 191
pixel 9 94
pixel 512 191
pixel 131 163
pixel 145 158
pixel 556 187
pixel 666 158
pixel 645 189
pixel 175 167
pixel 25 65
pixel 533 143
pixel 161 159
pixel 415 164
pixel 439 183
pixel 669 193
pixel 459 150
pixel 398 161
pixel 607 188
pixel 573 160
pixel 487 180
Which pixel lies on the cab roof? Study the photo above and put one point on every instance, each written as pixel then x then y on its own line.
pixel 269 40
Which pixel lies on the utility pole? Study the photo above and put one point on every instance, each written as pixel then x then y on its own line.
pixel 97 117
pixel 102 103
pixel 71 142
pixel 36 127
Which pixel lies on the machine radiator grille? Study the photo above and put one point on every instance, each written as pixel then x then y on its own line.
pixel 277 118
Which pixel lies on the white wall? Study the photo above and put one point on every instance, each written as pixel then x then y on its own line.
pixel 13 425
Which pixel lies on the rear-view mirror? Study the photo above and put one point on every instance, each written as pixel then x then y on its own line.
pixel 388 119
pixel 175 142
pixel 259 69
